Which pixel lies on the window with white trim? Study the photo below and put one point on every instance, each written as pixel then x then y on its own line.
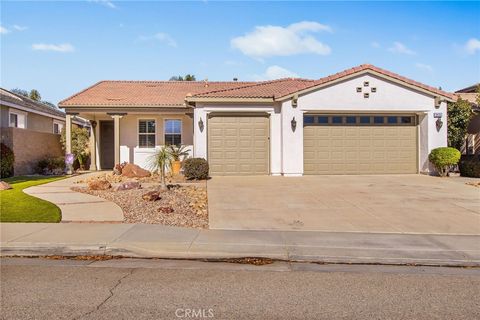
pixel 173 132
pixel 146 133
pixel 17 120
pixel 57 127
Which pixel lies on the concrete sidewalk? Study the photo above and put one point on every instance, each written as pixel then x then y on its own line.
pixel 76 206
pixel 157 241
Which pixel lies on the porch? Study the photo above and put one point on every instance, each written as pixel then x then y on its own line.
pixel 133 137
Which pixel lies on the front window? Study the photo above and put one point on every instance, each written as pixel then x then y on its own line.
pixel 57 127
pixel 173 132
pixel 13 120
pixel 17 120
pixel 146 133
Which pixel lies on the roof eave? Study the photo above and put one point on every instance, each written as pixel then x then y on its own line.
pixel 230 100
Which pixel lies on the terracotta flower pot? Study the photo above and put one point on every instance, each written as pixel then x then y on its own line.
pixel 176 166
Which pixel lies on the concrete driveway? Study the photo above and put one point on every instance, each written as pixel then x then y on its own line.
pixel 380 203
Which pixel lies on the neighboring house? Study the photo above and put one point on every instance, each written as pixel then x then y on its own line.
pixel 472 141
pixel 363 120
pixel 31 129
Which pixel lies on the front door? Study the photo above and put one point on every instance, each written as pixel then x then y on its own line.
pixel 107 145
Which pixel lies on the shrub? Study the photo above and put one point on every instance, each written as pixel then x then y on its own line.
pixel 443 158
pixel 195 168
pixel 469 166
pixel 7 158
pixel 51 166
pixel 80 145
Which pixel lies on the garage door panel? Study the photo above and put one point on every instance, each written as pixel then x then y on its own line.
pixel 360 149
pixel 238 145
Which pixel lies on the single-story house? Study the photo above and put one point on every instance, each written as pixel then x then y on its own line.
pixel 472 141
pixel 364 120
pixel 31 129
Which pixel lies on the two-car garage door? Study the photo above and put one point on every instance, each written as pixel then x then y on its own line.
pixel 360 144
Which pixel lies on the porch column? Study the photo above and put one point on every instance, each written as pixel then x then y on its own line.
pixel 68 138
pixel 116 136
pixel 93 145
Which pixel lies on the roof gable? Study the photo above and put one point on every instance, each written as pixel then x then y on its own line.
pixel 284 88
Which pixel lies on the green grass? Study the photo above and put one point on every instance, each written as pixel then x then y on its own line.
pixel 16 206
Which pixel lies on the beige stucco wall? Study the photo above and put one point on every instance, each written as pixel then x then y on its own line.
pixel 30 147
pixel 129 150
pixel 34 121
pixel 3 116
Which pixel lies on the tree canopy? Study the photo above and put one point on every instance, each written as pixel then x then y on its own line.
pixel 188 77
pixel 459 114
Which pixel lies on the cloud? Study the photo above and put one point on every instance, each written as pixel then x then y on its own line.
pixel 375 44
pixel 64 47
pixel 106 3
pixel 19 28
pixel 275 72
pixel 425 67
pixel 161 37
pixel 472 46
pixel 267 41
pixel 399 47
pixel 4 30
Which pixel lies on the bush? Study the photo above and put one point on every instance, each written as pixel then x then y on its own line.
pixel 469 166
pixel 443 158
pixel 7 158
pixel 195 168
pixel 51 166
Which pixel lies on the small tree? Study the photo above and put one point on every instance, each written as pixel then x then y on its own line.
pixel 443 159
pixel 158 162
pixel 80 145
pixel 190 77
pixel 35 95
pixel 459 114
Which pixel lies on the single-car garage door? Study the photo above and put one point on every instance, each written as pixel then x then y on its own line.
pixel 360 144
pixel 238 144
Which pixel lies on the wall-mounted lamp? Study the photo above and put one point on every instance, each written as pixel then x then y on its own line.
pixel 201 125
pixel 439 124
pixel 294 124
pixel 93 124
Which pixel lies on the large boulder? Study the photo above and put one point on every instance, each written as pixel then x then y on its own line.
pixel 129 185
pixel 99 185
pixel 4 185
pixel 133 171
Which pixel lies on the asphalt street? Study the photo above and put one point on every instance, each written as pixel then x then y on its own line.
pixel 171 289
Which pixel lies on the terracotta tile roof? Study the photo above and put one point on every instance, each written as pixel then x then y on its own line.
pixel 173 93
pixel 25 102
pixel 265 89
pixel 284 87
pixel 143 93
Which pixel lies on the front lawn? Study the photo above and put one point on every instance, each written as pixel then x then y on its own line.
pixel 16 206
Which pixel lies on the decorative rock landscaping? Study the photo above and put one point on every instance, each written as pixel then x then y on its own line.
pixel 184 206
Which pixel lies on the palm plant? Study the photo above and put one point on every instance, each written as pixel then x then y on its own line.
pixel 178 152
pixel 158 162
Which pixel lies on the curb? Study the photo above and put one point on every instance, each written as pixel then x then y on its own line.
pixel 103 250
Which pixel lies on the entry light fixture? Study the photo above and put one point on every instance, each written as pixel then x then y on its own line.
pixel 294 124
pixel 439 124
pixel 201 125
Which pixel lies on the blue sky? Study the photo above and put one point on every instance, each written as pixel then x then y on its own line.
pixel 61 48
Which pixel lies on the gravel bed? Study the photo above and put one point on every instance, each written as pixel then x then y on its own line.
pixel 189 204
